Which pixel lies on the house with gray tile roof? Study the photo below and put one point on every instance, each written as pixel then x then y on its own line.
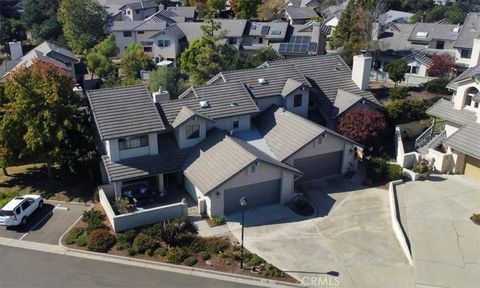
pixel 299 15
pixel 217 143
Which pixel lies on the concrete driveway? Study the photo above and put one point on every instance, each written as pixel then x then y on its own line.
pixel 445 243
pixel 350 244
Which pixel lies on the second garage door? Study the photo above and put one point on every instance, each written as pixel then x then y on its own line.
pixel 256 194
pixel 472 167
pixel 319 166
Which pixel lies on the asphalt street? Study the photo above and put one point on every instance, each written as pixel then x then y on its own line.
pixel 27 268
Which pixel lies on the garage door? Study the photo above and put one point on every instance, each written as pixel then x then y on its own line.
pixel 319 166
pixel 257 194
pixel 472 167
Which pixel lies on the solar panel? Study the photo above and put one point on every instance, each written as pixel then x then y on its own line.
pixel 265 30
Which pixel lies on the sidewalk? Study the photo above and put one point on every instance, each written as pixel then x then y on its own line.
pixel 62 250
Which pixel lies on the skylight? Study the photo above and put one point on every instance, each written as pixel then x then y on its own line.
pixel 422 34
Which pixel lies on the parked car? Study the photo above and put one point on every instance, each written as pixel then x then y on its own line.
pixel 18 210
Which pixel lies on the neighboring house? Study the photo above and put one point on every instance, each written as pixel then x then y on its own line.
pixel 300 15
pixel 459 122
pixel 463 45
pixel 333 13
pixel 137 11
pixel 394 16
pixel 244 134
pixel 434 35
pixel 304 3
pixel 46 52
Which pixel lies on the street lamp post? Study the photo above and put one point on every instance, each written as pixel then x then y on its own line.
pixel 243 203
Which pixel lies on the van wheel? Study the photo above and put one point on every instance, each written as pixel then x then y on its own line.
pixel 24 221
pixel 40 205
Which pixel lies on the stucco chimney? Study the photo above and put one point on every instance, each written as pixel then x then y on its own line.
pixel 16 51
pixel 362 65
pixel 475 59
pixel 161 96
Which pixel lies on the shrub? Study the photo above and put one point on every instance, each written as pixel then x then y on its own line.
pixel 205 255
pixel 190 261
pixel 273 271
pixel 421 166
pixel 198 244
pixel 100 240
pixel 395 172
pixel 125 240
pixel 408 110
pixel 252 259
pixel 142 243
pixel 215 245
pixel 367 126
pixel 438 86
pixel 94 219
pixel 82 240
pixel 149 252
pixel 122 206
pixel 171 230
pixel 475 218
pixel 6 197
pixel 234 255
pixel 218 220
pixel 185 225
pixel 73 234
pixel 376 169
pixel 153 231
pixel 161 251
pixel 131 251
pixel 176 255
pixel 397 93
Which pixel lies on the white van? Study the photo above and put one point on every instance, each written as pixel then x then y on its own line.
pixel 16 211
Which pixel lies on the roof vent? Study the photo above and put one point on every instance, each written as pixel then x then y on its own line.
pixel 234 104
pixel 456 29
pixel 204 104
pixel 262 81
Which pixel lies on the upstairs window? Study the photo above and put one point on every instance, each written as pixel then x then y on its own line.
pixel 147 49
pixel 193 131
pixel 297 100
pixel 440 45
pixel 140 32
pixel 132 142
pixel 466 53
pixel 232 41
pixel 163 43
pixel 236 123
pixel 127 33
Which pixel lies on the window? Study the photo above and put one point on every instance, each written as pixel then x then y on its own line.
pixel 137 11
pixel 413 69
pixel 466 53
pixel 260 40
pixel 163 43
pixel 297 100
pixel 232 41
pixel 147 49
pixel 127 33
pixel 235 123
pixel 129 12
pixel 18 211
pixel 140 32
pixel 440 45
pixel 193 131
pixel 26 204
pixel 468 100
pixel 320 140
pixel 132 142
pixel 253 168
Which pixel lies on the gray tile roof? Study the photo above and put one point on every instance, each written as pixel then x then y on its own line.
pixel 469 31
pixel 286 132
pixel 344 100
pixel 393 16
pixel 139 5
pixel 422 56
pixel 434 31
pixel 395 38
pixel 47 47
pixel 225 100
pixel 445 110
pixel 185 114
pixel 7 65
pixel 290 86
pixel 233 28
pixel 183 11
pixel 473 72
pixel 125 25
pixel 220 157
pixel 271 30
pixel 301 12
pixel 170 159
pixel 466 140
pixel 124 111
pixel 150 25
pixel 175 32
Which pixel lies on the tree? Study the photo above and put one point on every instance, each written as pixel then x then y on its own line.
pixel 100 65
pixel 9 8
pixel 10 29
pixel 41 113
pixel 396 70
pixel 261 56
pixel 216 5
pixel 270 10
pixel 40 16
pixel 133 61
pixel 366 126
pixel 169 78
pixel 82 22
pixel 442 65
pixel 107 47
pixel 246 9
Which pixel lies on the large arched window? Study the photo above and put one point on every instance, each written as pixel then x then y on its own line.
pixel 472 97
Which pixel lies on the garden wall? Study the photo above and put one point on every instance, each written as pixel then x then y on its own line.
pixel 398 229
pixel 143 217
pixel 443 161
pixel 406 160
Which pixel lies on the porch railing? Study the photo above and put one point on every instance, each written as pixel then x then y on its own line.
pixel 433 136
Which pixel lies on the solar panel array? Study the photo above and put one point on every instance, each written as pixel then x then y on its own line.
pixel 298 45
pixel 265 30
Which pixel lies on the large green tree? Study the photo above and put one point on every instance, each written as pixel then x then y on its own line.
pixel 82 22
pixel 133 61
pixel 396 70
pixel 41 19
pixel 246 9
pixel 11 29
pixel 42 117
pixel 169 78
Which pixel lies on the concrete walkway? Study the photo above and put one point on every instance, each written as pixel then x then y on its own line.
pixel 353 239
pixel 445 243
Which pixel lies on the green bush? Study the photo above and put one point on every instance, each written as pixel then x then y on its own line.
pixel 122 206
pixel 475 218
pixel 205 255
pixel 395 172
pixel 153 231
pixel 233 255
pixel 198 244
pixel 171 231
pixel 73 234
pixel 438 86
pixel 376 169
pixel 252 259
pixel 94 219
pixel 408 110
pixel 149 252
pixel 100 240
pixel 218 220
pixel 161 251
pixel 82 240
pixel 421 166
pixel 397 93
pixel 176 255
pixel 6 197
pixel 216 245
pixel 142 243
pixel 125 240
pixel 185 225
pixel 272 271
pixel 190 261
pixel 131 251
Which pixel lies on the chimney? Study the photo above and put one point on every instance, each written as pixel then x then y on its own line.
pixel 161 96
pixel 376 31
pixel 362 65
pixel 475 58
pixel 16 51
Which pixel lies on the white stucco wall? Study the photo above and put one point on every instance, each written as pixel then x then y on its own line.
pixel 461 94
pixel 300 110
pixel 112 149
pixel 451 128
pixel 172 52
pixel 181 133
pixel 458 161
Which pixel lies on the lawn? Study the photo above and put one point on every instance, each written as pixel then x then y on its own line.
pixel 33 179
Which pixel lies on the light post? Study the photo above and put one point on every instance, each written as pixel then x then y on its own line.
pixel 243 203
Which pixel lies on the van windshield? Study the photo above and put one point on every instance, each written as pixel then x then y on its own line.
pixel 6 213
